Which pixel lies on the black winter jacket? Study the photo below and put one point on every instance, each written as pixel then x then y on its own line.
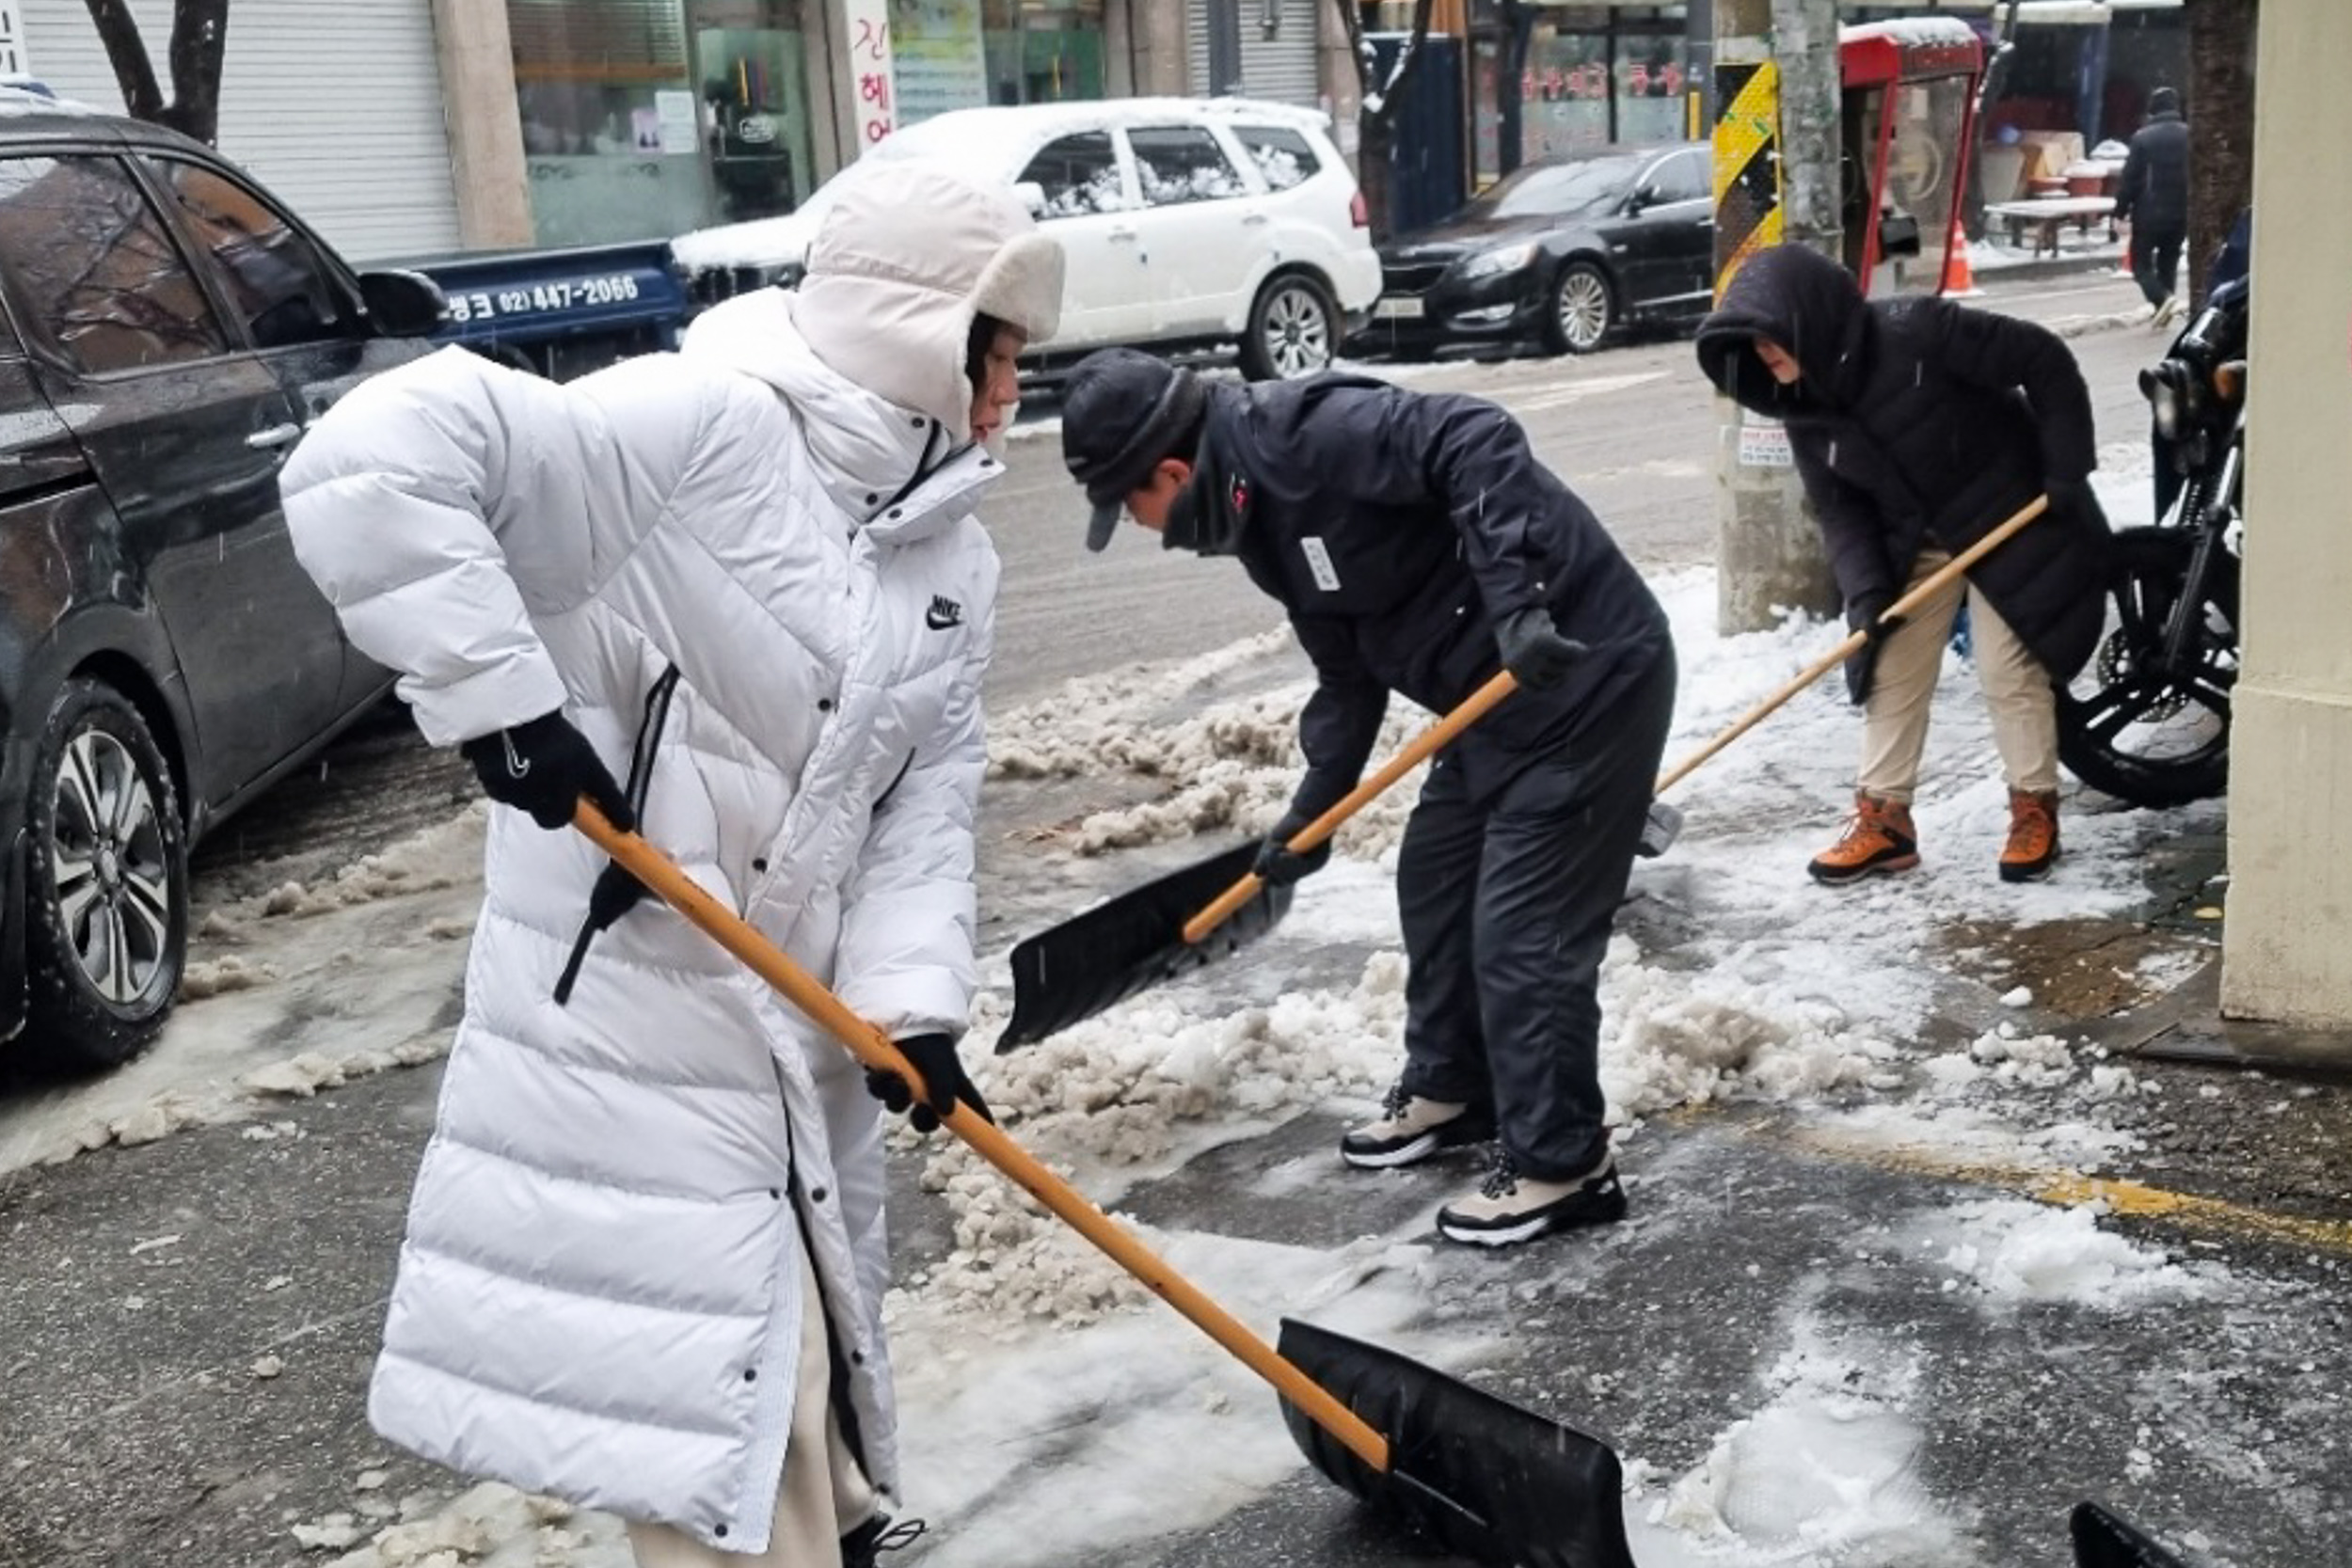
pixel 1918 423
pixel 2153 193
pixel 1395 527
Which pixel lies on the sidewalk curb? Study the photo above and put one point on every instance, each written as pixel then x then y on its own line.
pixel 2046 267
pixel 2112 321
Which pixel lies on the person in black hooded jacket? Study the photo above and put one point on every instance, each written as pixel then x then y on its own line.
pixel 2153 198
pixel 1918 427
pixel 1419 547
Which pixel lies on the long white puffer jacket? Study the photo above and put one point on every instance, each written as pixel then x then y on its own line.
pixel 597 1296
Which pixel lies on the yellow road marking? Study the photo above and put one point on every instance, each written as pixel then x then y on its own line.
pixel 2212 1215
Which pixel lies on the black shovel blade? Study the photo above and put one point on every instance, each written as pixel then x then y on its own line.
pixel 2104 1540
pixel 1071 972
pixel 1485 1479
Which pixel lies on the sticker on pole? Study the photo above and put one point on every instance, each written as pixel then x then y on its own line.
pixel 1765 445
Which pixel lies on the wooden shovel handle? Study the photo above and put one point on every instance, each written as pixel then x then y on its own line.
pixel 1414 752
pixel 1927 588
pixel 875 1050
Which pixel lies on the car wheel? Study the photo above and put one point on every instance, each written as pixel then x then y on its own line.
pixel 1292 330
pixel 1583 309
pixel 105 883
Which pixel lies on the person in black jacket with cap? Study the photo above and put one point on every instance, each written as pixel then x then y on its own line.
pixel 1918 427
pixel 1419 547
pixel 2153 198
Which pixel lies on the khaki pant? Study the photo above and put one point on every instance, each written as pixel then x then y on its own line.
pixel 815 1506
pixel 2017 692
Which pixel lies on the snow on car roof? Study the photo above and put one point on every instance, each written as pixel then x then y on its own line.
pixel 26 95
pixel 983 142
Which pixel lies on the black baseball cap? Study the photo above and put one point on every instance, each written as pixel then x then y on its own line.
pixel 1122 413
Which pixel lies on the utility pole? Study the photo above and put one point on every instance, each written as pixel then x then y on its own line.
pixel 1224 18
pixel 1776 81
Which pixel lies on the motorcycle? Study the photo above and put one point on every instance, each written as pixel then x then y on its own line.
pixel 2148 719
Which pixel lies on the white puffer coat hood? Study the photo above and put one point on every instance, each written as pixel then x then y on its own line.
pixel 909 253
pixel 596 1297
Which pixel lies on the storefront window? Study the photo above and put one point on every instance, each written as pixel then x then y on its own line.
pixel 962 54
pixel 643 118
pixel 1043 54
pixel 1565 93
pixel 1600 75
pixel 936 57
pixel 1651 109
pixel 751 61
pixel 1486 111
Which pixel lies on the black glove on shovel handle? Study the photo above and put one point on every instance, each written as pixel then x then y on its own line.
pixel 1278 865
pixel 544 766
pixel 942 1076
pixel 1534 650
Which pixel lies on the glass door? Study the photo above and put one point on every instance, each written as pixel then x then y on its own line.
pixel 752 66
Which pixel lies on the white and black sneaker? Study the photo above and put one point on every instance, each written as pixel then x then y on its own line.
pixel 1510 1208
pixel 878 1534
pixel 1411 1128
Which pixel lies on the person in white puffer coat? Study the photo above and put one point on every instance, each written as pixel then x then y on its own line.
pixel 646 1255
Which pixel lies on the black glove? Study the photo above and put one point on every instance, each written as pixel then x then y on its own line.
pixel 944 1082
pixel 2073 501
pixel 1867 614
pixel 1276 865
pixel 1532 649
pixel 543 768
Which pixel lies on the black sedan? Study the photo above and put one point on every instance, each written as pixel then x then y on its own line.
pixel 1563 252
pixel 167 332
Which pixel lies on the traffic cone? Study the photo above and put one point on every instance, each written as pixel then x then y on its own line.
pixel 1959 282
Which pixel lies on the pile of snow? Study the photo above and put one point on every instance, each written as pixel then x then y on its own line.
pixel 1827 1470
pixel 357 970
pixel 2010 1251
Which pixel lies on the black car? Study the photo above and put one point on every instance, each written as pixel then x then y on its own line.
pixel 168 330
pixel 1563 252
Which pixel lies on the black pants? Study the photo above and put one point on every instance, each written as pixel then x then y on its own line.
pixel 1507 906
pixel 2156 260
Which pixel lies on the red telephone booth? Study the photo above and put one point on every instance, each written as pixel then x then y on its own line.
pixel 1910 109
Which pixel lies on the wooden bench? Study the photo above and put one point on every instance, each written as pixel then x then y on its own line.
pixel 2047 215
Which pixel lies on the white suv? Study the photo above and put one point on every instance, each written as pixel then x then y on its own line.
pixel 1190 225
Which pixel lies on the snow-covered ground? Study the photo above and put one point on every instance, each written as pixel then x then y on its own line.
pixel 1841 1007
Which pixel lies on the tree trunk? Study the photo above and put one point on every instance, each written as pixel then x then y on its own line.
pixel 119 30
pixel 2220 110
pixel 1376 148
pixel 200 36
pixel 1375 120
pixel 199 31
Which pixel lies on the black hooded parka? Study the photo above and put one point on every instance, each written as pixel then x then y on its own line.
pixel 1918 423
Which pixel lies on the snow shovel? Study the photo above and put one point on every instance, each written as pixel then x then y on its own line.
pixel 1665 822
pixel 1491 1480
pixel 2104 1540
pixel 1104 955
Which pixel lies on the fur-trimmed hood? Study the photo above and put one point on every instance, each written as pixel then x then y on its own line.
pixel 909 253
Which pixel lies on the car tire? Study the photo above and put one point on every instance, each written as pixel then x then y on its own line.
pixel 105 883
pixel 1294 330
pixel 1583 309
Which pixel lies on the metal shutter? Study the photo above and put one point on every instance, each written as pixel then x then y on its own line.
pixel 334 104
pixel 1281 67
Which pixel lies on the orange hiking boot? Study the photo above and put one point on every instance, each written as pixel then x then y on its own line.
pixel 1879 838
pixel 2033 837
